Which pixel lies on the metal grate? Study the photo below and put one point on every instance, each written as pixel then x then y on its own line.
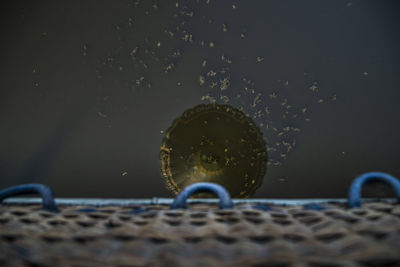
pixel 162 232
pixel 153 235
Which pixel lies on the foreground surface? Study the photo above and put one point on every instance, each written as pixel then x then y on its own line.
pixel 201 235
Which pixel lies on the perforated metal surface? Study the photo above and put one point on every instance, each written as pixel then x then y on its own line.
pixel 202 235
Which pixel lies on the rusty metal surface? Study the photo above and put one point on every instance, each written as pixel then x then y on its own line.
pixel 154 235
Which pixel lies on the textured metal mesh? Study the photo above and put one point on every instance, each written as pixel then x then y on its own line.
pixel 154 235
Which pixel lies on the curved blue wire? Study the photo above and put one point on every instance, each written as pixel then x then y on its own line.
pixel 356 186
pixel 44 191
pixel 225 201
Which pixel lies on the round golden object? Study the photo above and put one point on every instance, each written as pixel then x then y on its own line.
pixel 214 143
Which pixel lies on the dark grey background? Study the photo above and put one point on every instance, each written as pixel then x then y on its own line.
pixel 72 115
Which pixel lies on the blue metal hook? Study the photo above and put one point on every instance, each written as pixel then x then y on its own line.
pixel 43 190
pixel 356 186
pixel 225 201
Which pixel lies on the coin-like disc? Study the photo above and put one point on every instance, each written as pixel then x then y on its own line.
pixel 214 143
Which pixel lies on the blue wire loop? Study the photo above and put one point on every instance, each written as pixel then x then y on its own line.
pixel 225 201
pixel 356 186
pixel 44 191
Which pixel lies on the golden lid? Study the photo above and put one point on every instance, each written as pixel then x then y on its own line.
pixel 214 143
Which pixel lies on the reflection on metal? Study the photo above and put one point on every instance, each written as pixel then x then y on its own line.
pixel 104 202
pixel 214 143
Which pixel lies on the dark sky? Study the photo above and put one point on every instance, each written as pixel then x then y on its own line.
pixel 88 87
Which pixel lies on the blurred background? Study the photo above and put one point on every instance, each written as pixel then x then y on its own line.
pixel 88 89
